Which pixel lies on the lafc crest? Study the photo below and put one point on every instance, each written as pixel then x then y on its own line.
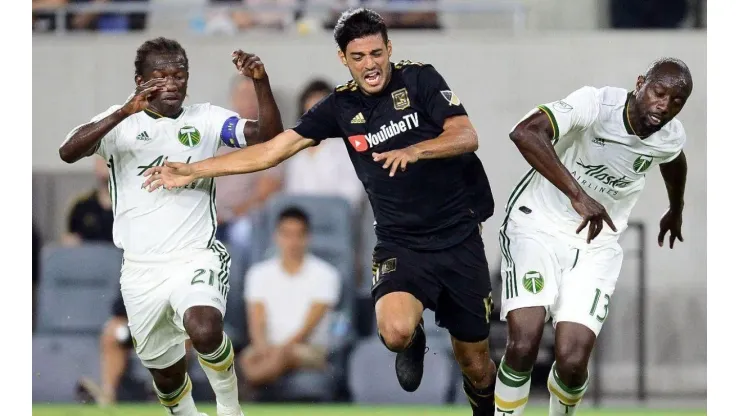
pixel 401 99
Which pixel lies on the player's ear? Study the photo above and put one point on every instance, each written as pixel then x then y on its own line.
pixel 138 79
pixel 389 45
pixel 640 82
pixel 342 58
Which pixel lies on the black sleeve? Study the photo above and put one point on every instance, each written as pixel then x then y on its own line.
pixel 319 122
pixel 436 96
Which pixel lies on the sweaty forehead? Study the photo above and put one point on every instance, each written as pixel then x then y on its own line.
pixel 166 62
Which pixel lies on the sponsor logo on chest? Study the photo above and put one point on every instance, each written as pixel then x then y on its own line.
pixel 387 131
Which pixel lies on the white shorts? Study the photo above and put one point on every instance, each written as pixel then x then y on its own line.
pixel 158 292
pixel 573 285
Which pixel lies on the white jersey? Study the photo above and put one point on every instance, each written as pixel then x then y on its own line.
pixel 594 140
pixel 165 222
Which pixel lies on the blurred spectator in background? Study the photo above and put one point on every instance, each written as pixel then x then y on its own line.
pixel 91 216
pixel 324 169
pixel 648 14
pixel 394 20
pixel 289 299
pixel 103 22
pixel 230 22
pixel 239 196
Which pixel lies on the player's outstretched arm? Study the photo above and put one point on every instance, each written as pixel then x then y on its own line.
pixel 458 137
pixel 674 176
pixel 83 141
pixel 532 136
pixel 269 123
pixel 250 159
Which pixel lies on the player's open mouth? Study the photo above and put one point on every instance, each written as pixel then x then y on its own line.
pixel 655 119
pixel 373 78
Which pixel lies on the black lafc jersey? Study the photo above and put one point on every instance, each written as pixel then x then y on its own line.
pixel 435 203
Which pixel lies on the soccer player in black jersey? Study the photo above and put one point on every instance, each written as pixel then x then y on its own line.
pixel 412 146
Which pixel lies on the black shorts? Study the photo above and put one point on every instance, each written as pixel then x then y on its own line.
pixel 454 282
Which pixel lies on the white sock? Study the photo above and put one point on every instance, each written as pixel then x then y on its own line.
pixel 564 400
pixel 219 368
pixel 179 402
pixel 512 390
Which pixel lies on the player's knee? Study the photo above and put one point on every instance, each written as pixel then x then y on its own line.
pixel 204 326
pixel 522 348
pixel 572 358
pixel 396 334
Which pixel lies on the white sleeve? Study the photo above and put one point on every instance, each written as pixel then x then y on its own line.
pixel 228 127
pixel 105 146
pixel 327 290
pixel 576 112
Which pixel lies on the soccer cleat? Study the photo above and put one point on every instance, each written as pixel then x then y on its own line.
pixel 410 362
pixel 224 411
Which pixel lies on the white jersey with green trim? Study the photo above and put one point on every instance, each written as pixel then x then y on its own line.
pixel 165 222
pixel 594 140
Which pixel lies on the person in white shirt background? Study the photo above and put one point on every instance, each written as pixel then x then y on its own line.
pixel 289 301
pixel 331 171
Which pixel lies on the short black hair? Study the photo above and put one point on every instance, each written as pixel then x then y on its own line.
pixel 313 87
pixel 157 45
pixel 296 214
pixel 658 67
pixel 358 23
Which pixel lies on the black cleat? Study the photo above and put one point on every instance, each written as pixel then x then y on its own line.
pixel 410 362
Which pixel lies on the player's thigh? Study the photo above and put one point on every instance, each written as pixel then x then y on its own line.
pixel 587 289
pixel 530 270
pixel 146 292
pixel 202 281
pixel 402 272
pixel 465 304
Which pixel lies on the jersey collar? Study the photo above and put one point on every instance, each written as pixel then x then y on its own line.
pixel 625 116
pixel 155 115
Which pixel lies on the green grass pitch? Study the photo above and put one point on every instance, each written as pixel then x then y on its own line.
pixel 335 410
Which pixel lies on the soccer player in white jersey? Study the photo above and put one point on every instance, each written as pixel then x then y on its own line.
pixel 589 153
pixel 175 274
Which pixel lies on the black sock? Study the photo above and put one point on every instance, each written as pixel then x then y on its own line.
pixel 481 400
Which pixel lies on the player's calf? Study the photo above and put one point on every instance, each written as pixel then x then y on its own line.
pixel 174 388
pixel 401 330
pixel 478 374
pixel 568 379
pixel 525 326
pixel 204 325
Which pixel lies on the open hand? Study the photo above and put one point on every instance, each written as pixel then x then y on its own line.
pixel 170 175
pixel 671 221
pixel 593 214
pixel 397 158
pixel 248 64
pixel 139 100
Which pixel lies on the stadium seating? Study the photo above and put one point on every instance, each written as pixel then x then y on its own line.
pixel 78 286
pixel 58 362
pixel 372 378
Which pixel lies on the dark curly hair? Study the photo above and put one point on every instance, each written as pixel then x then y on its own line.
pixel 358 23
pixel 158 45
